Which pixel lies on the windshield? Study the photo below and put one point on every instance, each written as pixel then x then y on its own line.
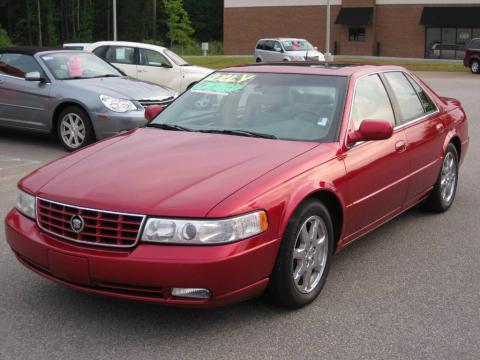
pixel 297 45
pixel 177 59
pixel 283 106
pixel 78 65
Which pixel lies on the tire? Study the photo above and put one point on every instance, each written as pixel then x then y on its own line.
pixel 74 117
pixel 286 290
pixel 258 60
pixel 475 67
pixel 444 190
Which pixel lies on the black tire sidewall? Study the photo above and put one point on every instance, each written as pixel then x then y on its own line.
pixel 283 290
pixel 89 133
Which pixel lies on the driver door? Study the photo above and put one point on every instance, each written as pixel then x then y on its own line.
pixel 23 103
pixel 377 170
pixel 155 67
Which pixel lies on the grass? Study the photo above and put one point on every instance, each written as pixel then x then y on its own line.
pixel 219 62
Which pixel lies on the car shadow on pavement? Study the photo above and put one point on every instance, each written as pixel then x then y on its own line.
pixel 27 138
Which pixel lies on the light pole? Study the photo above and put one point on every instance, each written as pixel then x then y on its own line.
pixel 114 20
pixel 328 55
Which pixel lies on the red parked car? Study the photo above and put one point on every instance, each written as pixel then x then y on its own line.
pixel 472 56
pixel 248 183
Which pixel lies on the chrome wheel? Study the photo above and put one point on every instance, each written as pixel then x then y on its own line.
pixel 448 179
pixel 310 254
pixel 72 130
pixel 475 67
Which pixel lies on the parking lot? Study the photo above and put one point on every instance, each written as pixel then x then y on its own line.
pixel 409 290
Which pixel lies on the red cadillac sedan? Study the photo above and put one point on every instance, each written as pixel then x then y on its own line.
pixel 247 184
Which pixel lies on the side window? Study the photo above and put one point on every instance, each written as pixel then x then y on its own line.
pixel 260 45
pixel 120 55
pixel 18 65
pixel 427 102
pixel 277 47
pixel 406 96
pixel 152 58
pixel 371 101
pixel 268 45
pixel 100 51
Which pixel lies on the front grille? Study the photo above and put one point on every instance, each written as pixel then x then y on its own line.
pixel 164 102
pixel 100 228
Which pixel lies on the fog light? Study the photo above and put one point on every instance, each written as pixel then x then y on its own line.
pixel 191 293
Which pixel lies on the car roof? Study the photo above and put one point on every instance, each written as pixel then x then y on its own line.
pixel 28 50
pixel 314 68
pixel 126 43
pixel 282 39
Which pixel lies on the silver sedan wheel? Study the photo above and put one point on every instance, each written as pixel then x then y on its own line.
pixel 72 130
pixel 448 178
pixel 310 254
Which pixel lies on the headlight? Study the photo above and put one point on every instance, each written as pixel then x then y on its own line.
pixel 204 232
pixel 26 204
pixel 117 105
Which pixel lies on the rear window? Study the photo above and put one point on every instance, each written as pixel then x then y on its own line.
pixel 474 44
pixel 260 45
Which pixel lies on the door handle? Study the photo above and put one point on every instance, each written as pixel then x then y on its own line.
pixel 400 146
pixel 440 128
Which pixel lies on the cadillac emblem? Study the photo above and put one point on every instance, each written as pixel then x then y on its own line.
pixel 77 224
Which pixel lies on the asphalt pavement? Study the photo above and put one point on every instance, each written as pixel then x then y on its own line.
pixel 409 290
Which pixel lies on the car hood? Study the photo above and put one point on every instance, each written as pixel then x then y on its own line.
pixel 164 173
pixel 123 87
pixel 193 69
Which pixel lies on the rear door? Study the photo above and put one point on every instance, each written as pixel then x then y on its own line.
pixel 123 57
pixel 377 170
pixel 424 129
pixel 23 103
pixel 268 53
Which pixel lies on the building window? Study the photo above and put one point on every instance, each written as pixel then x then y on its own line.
pixel 356 34
pixel 448 42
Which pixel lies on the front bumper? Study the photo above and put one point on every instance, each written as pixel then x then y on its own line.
pixel 233 272
pixel 109 123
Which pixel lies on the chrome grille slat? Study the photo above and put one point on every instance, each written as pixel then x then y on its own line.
pixel 101 228
pixel 163 103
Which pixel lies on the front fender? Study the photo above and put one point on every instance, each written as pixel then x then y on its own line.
pixel 310 189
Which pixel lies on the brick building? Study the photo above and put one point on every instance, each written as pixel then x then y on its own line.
pixel 401 28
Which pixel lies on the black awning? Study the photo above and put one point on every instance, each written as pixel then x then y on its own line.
pixel 451 16
pixel 355 16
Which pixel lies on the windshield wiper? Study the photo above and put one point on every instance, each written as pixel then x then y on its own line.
pixel 240 133
pixel 168 127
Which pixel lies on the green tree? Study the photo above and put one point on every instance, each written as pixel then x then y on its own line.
pixel 4 39
pixel 180 28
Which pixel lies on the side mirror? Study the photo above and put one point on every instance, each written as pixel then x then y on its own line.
pixel 34 76
pixel 371 130
pixel 316 48
pixel 152 111
pixel 166 65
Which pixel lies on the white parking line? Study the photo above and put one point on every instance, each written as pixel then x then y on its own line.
pixel 8 162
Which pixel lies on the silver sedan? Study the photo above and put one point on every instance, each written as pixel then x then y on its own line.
pixel 73 94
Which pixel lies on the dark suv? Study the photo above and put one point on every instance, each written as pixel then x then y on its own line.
pixel 472 56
